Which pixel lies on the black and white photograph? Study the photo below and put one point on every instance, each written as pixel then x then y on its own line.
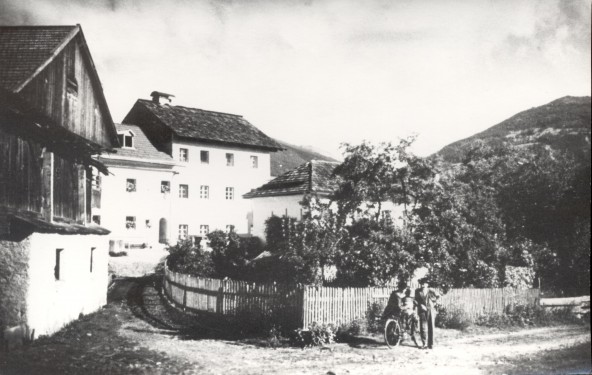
pixel 321 187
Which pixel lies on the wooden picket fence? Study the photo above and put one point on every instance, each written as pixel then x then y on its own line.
pixel 493 300
pixel 303 305
pixel 232 297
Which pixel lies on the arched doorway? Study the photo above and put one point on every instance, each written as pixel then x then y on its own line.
pixel 163 232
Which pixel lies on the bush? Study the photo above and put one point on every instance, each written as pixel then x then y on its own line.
pixel 315 335
pixel 493 320
pixel 188 258
pixel 530 315
pixel 454 318
pixel 353 328
pixel 255 321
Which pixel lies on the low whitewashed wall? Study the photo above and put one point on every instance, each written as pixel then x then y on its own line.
pixel 52 303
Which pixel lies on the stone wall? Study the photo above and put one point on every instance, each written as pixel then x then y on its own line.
pixel 14 265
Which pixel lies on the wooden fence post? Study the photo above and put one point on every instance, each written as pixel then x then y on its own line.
pixel 184 292
pixel 220 299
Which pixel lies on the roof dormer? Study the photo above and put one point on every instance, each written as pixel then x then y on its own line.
pixel 126 138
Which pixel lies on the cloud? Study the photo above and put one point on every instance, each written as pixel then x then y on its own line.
pixel 560 32
pixel 326 71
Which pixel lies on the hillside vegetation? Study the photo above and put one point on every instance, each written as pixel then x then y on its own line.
pixel 292 157
pixel 563 124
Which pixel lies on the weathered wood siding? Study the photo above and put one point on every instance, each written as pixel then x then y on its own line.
pixel 20 173
pixel 65 92
pixel 68 190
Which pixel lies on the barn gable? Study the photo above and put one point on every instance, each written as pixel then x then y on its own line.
pixel 51 68
pixel 53 120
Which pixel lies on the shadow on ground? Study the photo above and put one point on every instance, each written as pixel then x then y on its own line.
pixel 144 298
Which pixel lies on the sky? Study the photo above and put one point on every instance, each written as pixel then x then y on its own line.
pixel 319 73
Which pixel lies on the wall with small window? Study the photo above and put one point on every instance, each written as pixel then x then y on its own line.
pixel 134 201
pixel 68 276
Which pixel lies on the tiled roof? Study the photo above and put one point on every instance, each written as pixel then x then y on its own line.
pixel 205 126
pixel 316 176
pixel 143 147
pixel 23 49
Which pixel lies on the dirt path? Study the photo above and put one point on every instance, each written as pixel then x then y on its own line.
pixel 136 333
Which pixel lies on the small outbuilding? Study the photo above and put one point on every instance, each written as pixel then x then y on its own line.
pixel 53 119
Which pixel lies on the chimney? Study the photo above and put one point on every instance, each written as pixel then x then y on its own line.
pixel 159 97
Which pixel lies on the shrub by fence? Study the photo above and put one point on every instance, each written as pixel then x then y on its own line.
pixel 303 305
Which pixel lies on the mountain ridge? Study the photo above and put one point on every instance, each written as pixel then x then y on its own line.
pixel 562 124
pixel 292 157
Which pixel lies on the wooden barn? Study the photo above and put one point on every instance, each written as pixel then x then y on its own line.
pixel 53 119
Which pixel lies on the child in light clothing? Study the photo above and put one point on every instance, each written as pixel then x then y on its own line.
pixel 408 309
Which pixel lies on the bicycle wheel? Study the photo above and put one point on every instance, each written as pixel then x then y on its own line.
pixel 392 333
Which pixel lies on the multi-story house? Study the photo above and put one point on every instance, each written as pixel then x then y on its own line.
pixel 136 200
pixel 53 119
pixel 215 157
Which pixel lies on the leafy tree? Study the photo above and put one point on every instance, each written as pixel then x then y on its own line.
pixel 373 174
pixel 186 257
pixel 373 253
pixel 301 250
pixel 459 238
pixel 533 196
pixel 231 254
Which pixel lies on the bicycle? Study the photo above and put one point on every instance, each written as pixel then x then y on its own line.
pixel 397 329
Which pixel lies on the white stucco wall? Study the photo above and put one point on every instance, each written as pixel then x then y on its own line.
pixel 146 203
pixel 217 212
pixel 52 303
pixel 264 207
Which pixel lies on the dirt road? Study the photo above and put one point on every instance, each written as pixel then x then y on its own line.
pixel 137 333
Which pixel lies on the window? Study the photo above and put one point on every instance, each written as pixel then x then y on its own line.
pixel 130 185
pixel 165 187
pixel 204 192
pixel 96 219
pixel 126 140
pixel 95 192
pixel 58 263
pixel 183 191
pixel 387 217
pixel 71 83
pixel 183 231
pixel 96 181
pixel 254 161
pixel 229 228
pixel 204 157
pixel 92 256
pixel 183 155
pixel 229 193
pixel 204 230
pixel 229 160
pixel 130 222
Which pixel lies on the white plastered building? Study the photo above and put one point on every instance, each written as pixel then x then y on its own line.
pixel 204 160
